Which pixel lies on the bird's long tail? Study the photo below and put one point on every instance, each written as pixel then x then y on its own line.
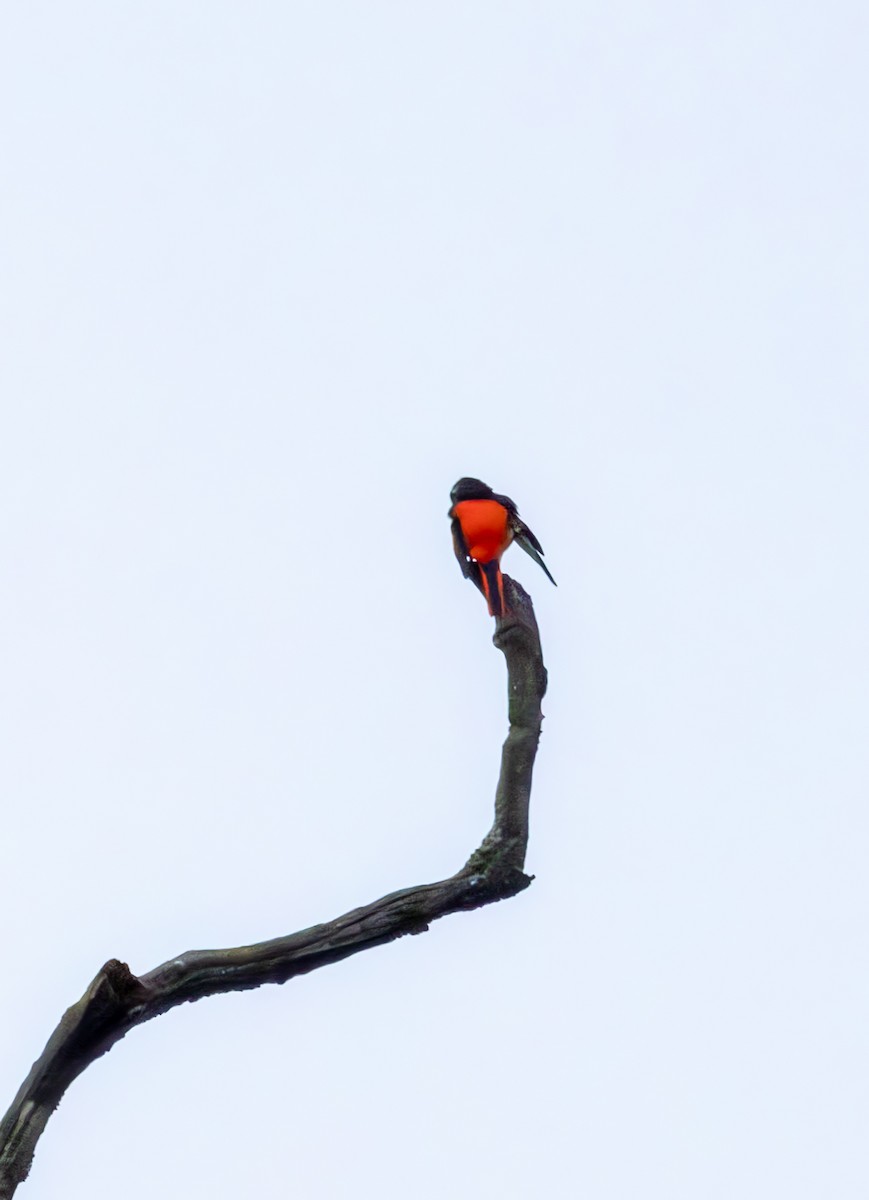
pixel 493 587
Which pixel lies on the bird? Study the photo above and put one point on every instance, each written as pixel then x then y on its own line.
pixel 484 524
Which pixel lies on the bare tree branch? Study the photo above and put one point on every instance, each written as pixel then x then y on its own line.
pixel 117 1000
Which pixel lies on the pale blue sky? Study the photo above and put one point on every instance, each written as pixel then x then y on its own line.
pixel 273 277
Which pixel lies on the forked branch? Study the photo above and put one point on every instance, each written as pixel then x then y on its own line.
pixel 117 1000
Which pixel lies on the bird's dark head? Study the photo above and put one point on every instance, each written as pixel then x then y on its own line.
pixel 470 489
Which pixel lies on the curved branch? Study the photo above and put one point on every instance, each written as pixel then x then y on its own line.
pixel 117 1000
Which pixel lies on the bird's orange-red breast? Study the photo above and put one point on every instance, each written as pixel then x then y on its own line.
pixel 484 524
pixel 485 528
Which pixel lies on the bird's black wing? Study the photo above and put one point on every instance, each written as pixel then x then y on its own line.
pixel 509 504
pixel 523 537
pixel 470 569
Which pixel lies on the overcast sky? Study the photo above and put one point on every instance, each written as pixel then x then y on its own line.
pixel 272 277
